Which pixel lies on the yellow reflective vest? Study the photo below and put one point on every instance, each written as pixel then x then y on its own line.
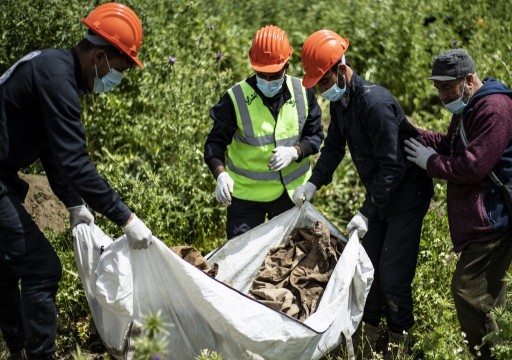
pixel 257 134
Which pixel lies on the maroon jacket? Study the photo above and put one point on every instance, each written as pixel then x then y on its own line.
pixel 476 207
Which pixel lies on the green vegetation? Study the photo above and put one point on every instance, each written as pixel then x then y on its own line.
pixel 146 137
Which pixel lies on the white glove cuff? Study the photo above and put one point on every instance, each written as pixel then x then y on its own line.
pixel 222 175
pixel 311 186
pixel 130 223
pixel 364 217
pixel 75 207
pixel 295 153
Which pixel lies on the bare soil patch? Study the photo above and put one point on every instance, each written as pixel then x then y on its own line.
pixel 45 208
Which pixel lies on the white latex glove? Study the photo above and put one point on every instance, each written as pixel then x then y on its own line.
pixel 224 188
pixel 79 214
pixel 358 223
pixel 138 235
pixel 419 154
pixel 303 193
pixel 283 156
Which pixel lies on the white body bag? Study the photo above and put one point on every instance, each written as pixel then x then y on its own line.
pixel 123 286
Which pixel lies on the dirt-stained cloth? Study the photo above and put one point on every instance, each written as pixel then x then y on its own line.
pixel 294 275
pixel 193 256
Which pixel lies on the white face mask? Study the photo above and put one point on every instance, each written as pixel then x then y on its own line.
pixel 107 82
pixel 269 88
pixel 457 106
pixel 335 93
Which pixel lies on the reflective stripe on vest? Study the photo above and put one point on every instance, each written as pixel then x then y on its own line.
pixel 270 175
pixel 257 135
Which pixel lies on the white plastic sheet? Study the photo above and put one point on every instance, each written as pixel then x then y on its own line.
pixel 123 286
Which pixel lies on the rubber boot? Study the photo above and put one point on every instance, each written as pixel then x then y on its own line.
pixel 20 355
pixel 398 346
pixel 365 341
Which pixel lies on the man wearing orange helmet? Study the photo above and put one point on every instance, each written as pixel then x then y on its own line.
pixel 40 119
pixel 264 130
pixel 367 118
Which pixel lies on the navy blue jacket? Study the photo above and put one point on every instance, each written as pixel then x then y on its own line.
pixel 40 119
pixel 371 122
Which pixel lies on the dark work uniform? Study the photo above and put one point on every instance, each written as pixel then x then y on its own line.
pixel 40 119
pixel 371 122
pixel 243 215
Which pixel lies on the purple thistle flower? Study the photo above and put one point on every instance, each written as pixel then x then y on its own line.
pixel 172 60
pixel 218 56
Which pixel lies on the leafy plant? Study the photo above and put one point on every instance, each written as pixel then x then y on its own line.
pixel 209 355
pixel 153 344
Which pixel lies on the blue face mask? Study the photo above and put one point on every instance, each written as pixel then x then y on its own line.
pixel 107 82
pixel 269 88
pixel 335 93
pixel 457 106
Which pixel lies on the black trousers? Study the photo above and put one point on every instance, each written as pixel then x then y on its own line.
pixel 392 245
pixel 243 215
pixel 478 286
pixel 29 275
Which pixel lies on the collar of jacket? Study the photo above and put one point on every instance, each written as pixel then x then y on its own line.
pixel 79 75
pixel 490 86
pixel 355 82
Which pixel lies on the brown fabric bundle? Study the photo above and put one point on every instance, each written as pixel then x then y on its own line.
pixel 193 256
pixel 294 275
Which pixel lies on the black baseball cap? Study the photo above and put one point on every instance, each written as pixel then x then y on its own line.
pixel 452 64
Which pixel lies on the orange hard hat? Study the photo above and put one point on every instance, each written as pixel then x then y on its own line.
pixel 320 52
pixel 119 25
pixel 270 49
